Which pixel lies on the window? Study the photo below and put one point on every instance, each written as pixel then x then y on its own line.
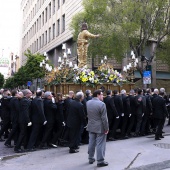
pixel 49 10
pixel 45 37
pixel 53 6
pixel 63 23
pixel 46 14
pixel 49 35
pixel 58 27
pixel 37 45
pixel 42 18
pixel 40 21
pixel 42 40
pixel 39 42
pixel 37 25
pixel 58 4
pixel 53 30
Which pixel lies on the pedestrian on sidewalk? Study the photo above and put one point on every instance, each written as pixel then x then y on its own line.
pixel 98 128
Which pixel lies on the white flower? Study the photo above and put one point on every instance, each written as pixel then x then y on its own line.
pixel 77 78
pixel 91 79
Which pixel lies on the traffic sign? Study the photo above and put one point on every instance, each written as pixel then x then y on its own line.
pixel 147 77
pixel 29 83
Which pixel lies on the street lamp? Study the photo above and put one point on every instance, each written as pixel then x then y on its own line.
pixel 64 63
pixel 131 67
pixel 44 64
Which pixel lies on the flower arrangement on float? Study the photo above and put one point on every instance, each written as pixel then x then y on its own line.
pixel 86 76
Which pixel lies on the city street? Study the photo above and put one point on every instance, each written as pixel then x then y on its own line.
pixel 140 153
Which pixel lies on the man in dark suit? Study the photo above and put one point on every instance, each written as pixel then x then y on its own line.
pixel 88 95
pixel 5 113
pixel 119 107
pixel 14 113
pixel 126 113
pixel 148 112
pixel 133 113
pixel 75 120
pixel 24 119
pixel 37 118
pixel 50 109
pixel 159 114
pixel 113 117
pixel 140 109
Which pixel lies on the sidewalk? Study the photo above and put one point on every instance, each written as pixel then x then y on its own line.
pixel 142 153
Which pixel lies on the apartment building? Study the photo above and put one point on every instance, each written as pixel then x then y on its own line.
pixel 46 25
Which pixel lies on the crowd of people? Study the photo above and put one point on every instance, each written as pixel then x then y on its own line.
pixel 44 119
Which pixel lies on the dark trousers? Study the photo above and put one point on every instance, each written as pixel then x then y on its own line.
pixel 48 133
pixel 124 125
pixel 74 134
pixel 13 134
pixel 5 127
pixel 139 122
pixel 57 132
pixel 145 119
pixel 22 135
pixel 36 127
pixel 160 124
pixel 114 127
pixel 131 124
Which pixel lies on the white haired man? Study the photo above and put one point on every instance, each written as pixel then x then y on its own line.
pixel 75 119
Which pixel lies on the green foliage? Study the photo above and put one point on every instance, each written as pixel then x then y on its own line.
pixel 31 70
pixel 10 83
pixel 1 80
pixel 32 66
pixel 164 51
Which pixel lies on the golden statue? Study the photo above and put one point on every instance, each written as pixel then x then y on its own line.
pixel 82 45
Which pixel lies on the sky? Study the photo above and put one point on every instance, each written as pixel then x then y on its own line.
pixel 10 25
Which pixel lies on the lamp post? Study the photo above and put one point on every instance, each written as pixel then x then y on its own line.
pixel 104 64
pixel 64 63
pixel 130 68
pixel 46 67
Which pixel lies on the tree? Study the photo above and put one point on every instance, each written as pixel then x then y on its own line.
pixel 125 25
pixel 1 80
pixel 32 66
pixel 10 83
pixel 30 71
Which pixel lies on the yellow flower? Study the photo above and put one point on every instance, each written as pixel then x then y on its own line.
pixel 92 73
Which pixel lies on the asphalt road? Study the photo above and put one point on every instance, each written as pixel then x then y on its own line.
pixel 142 153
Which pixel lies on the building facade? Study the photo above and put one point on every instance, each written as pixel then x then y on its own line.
pixel 46 27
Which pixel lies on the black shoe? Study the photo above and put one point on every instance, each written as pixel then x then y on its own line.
pixel 161 136
pixel 77 147
pixel 73 151
pixel 136 135
pixel 31 150
pixel 8 145
pixel 43 147
pixel 2 140
pixel 142 134
pixel 163 132
pixel 102 164
pixel 91 161
pixel 157 139
pixel 111 139
pixel 18 150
